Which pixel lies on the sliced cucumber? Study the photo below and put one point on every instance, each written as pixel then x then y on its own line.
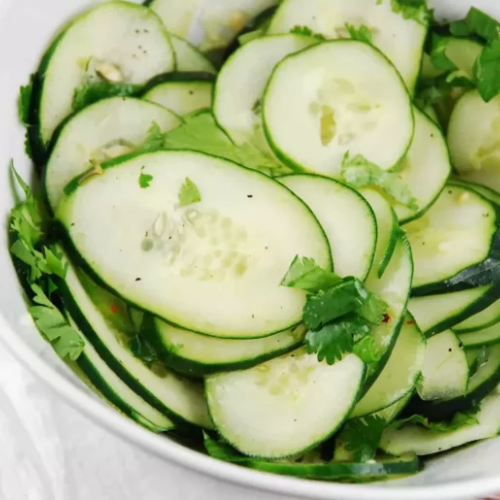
pixel 122 42
pixel 392 412
pixel 177 15
pixel 422 441
pixel 109 128
pixel 445 374
pixel 400 374
pixel 200 355
pixel 400 39
pixel 243 79
pixel 279 408
pixel 189 58
pixel 480 321
pixel 486 192
pixel 182 97
pixel 211 267
pixel 437 313
pixel 455 243
pixel 346 217
pixel 387 230
pixel 487 336
pixel 336 98
pixel 426 167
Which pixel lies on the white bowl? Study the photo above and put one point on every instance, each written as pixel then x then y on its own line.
pixel 26 26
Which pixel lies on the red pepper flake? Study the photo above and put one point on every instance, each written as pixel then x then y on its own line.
pixel 386 319
pixel 114 308
pixel 410 322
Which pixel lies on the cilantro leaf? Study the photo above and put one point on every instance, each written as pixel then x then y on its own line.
pixel 362 437
pixel 56 263
pixel 460 29
pixel 304 273
pixel 189 193
pixel 373 309
pixel 438 54
pixel 360 172
pixel 90 92
pixel 154 140
pixel 412 9
pixel 368 350
pixel 487 71
pixel 144 179
pixel 330 343
pixel 459 420
pixel 306 31
pixel 479 23
pixel 24 101
pixel 363 33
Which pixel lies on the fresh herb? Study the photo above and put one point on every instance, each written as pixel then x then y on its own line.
pixel 304 273
pixel 373 309
pixel 363 33
pixel 90 92
pixel 460 29
pixel 24 101
pixel 459 420
pixel 360 172
pixel 412 9
pixel 487 71
pixel 361 437
pixel 368 350
pixel 189 193
pixel 439 58
pixel 144 179
pixel 154 140
pixel 477 23
pixel 306 31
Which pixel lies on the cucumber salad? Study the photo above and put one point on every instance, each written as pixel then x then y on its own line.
pixel 272 229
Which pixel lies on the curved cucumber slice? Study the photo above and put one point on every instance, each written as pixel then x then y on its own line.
pixel 480 321
pixel 210 267
pixel 400 374
pixel 189 58
pixel 243 79
pixel 486 192
pixel 200 355
pixel 117 42
pixel 488 336
pixel 445 374
pixel 347 219
pixel 416 439
pixel 109 128
pixel 426 167
pixel 279 409
pixel 392 412
pixel 336 98
pixel 400 39
pixel 454 244
pixel 167 392
pixel 177 15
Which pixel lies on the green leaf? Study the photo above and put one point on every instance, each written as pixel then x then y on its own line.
pixel 373 309
pixel 306 31
pixel 459 420
pixel 460 29
pixel 362 437
pixel 144 179
pixel 90 92
pixel 368 350
pixel 189 193
pixel 360 172
pixel 56 263
pixel 304 273
pixel 154 140
pixel 412 9
pixel 24 101
pixel 363 33
pixel 481 24
pixel 487 71
pixel 438 54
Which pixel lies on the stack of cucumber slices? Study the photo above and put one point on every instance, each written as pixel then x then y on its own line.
pixel 271 229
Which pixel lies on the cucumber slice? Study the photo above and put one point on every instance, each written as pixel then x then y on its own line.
pixel 426 167
pixel 463 53
pixel 279 408
pixel 400 39
pixel 347 219
pixel 392 412
pixel 486 192
pixel 242 81
pixel 177 15
pixel 334 98
pixel 211 267
pixel 416 439
pixel 387 230
pixel 400 374
pixel 189 58
pixel 480 321
pixel 109 128
pixel 437 313
pixel 487 336
pixel 182 97
pixel 170 394
pixel 460 219
pixel 199 355
pixel 445 374
pixel 128 37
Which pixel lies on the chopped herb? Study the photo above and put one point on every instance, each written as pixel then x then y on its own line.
pixel 144 179
pixel 412 9
pixel 90 92
pixel 154 140
pixel 478 23
pixel 363 33
pixel 439 58
pixel 459 420
pixel 306 31
pixel 304 273
pixel 24 101
pixel 368 350
pixel 487 71
pixel 189 193
pixel 331 342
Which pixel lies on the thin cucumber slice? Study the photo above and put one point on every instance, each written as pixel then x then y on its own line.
pixel 177 15
pixel 279 409
pixel 189 58
pixel 387 230
pixel 243 79
pixel 128 37
pixel 427 69
pixel 426 167
pixel 400 39
pixel 182 97
pixel 210 267
pixel 169 393
pixel 485 191
pixel 445 374
pixel 400 374
pixel 482 383
pixel 416 439
pixel 200 355
pixel 351 104
pixel 111 387
pixel 109 128
pixel 347 219
pixel 455 243
pixel 488 336
pixel 392 412
pixel 485 319
pixel 437 313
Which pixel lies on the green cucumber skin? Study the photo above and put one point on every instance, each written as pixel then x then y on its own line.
pixel 199 370
pixel 392 246
pixel 177 77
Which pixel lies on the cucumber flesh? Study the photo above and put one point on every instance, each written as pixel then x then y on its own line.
pixel 313 117
pixel 347 219
pixel 487 336
pixel 210 267
pixel 392 412
pixel 189 58
pixel 177 15
pixel 481 321
pixel 279 408
pixel 109 128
